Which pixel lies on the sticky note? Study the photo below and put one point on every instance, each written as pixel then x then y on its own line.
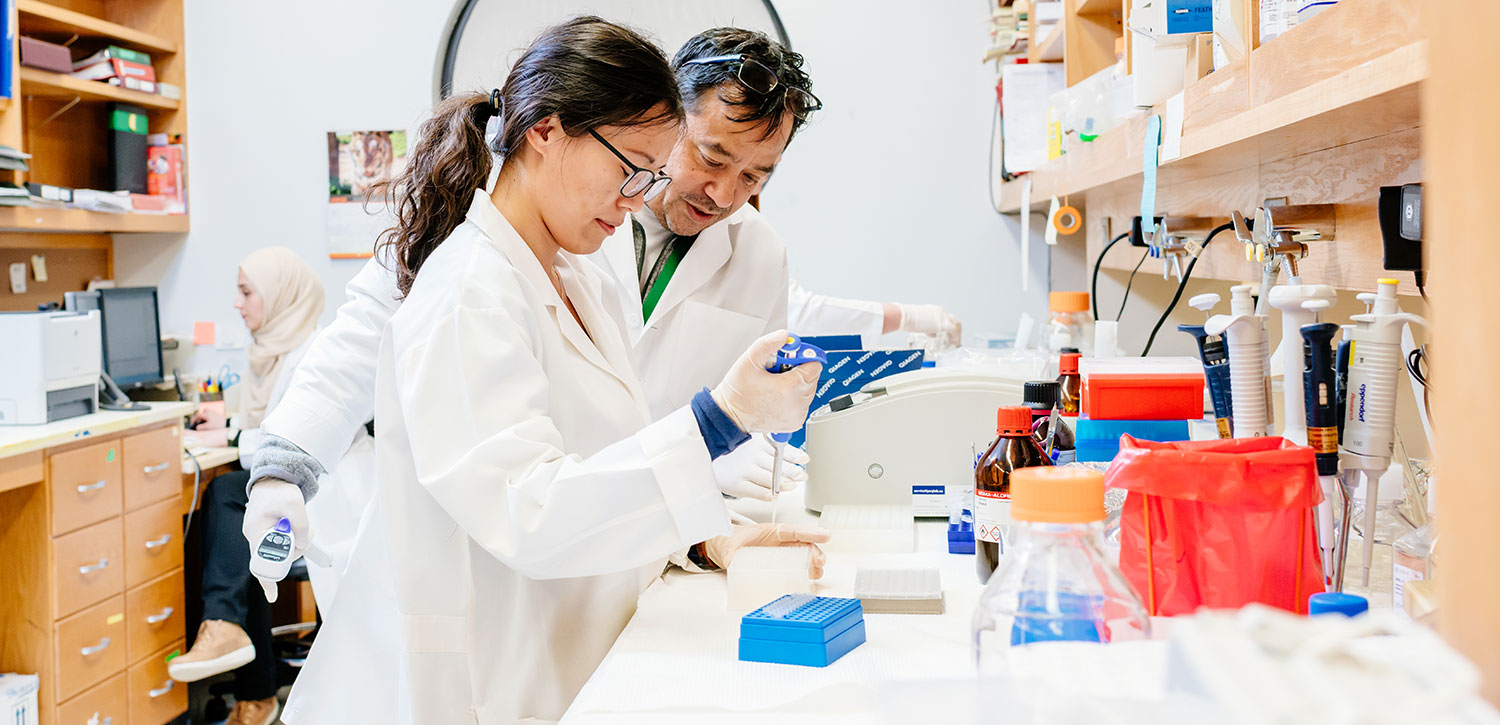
pixel 115 618
pixel 203 333
pixel 110 457
pixel 1148 175
pixel 39 267
pixel 18 278
pixel 175 654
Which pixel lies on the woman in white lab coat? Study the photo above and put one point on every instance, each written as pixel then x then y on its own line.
pixel 527 497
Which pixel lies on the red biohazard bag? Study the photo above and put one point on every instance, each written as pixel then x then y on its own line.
pixel 1219 523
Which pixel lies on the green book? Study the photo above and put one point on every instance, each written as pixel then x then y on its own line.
pixel 113 52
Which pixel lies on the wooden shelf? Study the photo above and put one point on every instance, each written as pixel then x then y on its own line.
pixel 41 17
pixel 1050 48
pixel 46 84
pixel 1098 7
pixel 1366 100
pixel 36 219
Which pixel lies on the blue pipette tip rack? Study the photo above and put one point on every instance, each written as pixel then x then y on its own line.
pixel 961 535
pixel 801 629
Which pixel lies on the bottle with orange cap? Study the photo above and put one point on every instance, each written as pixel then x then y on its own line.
pixel 1070 324
pixel 1072 383
pixel 1014 449
pixel 1057 584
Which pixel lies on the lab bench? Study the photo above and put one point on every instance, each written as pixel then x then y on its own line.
pixel 91 544
pixel 676 661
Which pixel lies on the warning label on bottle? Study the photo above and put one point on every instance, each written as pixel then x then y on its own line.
pixel 991 515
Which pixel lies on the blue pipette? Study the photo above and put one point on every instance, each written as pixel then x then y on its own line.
pixel 795 352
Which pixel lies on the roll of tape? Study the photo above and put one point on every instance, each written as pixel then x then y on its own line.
pixel 1067 220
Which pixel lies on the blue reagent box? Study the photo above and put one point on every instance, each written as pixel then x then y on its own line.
pixel 800 629
pixel 1099 440
pixel 850 369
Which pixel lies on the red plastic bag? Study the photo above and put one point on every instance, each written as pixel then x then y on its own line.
pixel 1219 523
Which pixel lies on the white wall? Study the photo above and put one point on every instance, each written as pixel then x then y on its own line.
pixel 266 82
pixel 884 196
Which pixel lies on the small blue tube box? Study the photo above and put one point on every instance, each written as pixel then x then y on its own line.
pixel 961 534
pixel 801 629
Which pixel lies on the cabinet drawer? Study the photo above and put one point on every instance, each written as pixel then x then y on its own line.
pixel 89 566
pixel 156 698
pixel 154 616
pixel 104 704
pixel 153 541
pixel 153 466
pixel 90 647
pixel 85 485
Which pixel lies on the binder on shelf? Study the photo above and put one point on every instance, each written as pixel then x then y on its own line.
pixel 134 84
pixel 127 148
pixel 46 56
pixel 12 159
pixel 47 192
pixel 7 48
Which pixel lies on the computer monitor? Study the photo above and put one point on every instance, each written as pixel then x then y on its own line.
pixel 131 330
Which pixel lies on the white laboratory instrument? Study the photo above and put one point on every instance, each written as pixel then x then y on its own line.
pixel 50 370
pixel 1249 379
pixel 907 440
pixel 1370 414
pixel 1299 305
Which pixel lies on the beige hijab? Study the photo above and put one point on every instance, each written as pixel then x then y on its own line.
pixel 293 299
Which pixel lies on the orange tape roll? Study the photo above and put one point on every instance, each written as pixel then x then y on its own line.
pixel 1067 220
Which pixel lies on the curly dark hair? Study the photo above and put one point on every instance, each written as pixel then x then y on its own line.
pixel 694 80
pixel 588 72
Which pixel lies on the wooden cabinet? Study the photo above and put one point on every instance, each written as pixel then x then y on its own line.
pixel 91 529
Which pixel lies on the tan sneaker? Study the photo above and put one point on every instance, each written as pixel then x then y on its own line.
pixel 220 647
pixel 254 712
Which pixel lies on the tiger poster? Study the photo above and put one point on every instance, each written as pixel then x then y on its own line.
pixel 357 161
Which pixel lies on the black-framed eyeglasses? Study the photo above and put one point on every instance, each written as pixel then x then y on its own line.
pixel 640 180
pixel 754 75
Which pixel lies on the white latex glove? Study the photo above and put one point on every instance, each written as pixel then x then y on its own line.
pixel 271 501
pixel 745 472
pixel 932 320
pixel 721 549
pixel 760 401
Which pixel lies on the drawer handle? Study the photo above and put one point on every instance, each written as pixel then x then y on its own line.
pixel 96 649
pixel 88 568
pixel 164 689
pixel 159 542
pixel 86 487
pixel 159 618
pixel 158 468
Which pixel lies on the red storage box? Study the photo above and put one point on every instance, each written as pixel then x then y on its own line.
pixel 1143 396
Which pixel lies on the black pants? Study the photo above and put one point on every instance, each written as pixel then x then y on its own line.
pixel 230 592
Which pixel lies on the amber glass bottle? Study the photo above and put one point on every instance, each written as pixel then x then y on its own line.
pixel 1014 448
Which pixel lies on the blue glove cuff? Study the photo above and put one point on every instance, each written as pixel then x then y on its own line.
pixel 719 430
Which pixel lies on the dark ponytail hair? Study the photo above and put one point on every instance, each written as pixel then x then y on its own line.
pixel 587 71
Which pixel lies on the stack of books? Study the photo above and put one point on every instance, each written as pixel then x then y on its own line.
pixel 12 195
pixel 126 68
pixel 11 159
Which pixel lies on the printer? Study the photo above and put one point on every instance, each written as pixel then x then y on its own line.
pixel 50 370
pixel 907 440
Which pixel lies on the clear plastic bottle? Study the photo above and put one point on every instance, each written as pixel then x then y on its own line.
pixel 1041 396
pixel 1411 555
pixel 1013 450
pixel 1057 583
pixel 1070 325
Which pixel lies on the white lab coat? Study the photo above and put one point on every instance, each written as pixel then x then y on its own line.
pixel 729 289
pixel 809 314
pixel 528 497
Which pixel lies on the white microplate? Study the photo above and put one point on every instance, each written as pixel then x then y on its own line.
pixel 760 574
pixel 869 529
pixel 914 591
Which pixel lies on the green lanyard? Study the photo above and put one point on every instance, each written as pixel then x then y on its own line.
pixel 655 283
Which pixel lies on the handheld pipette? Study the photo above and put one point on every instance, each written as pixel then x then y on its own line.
pixel 1321 407
pixel 795 352
pixel 1249 382
pixel 1370 412
pixel 272 558
pixel 1214 351
pixel 1299 305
